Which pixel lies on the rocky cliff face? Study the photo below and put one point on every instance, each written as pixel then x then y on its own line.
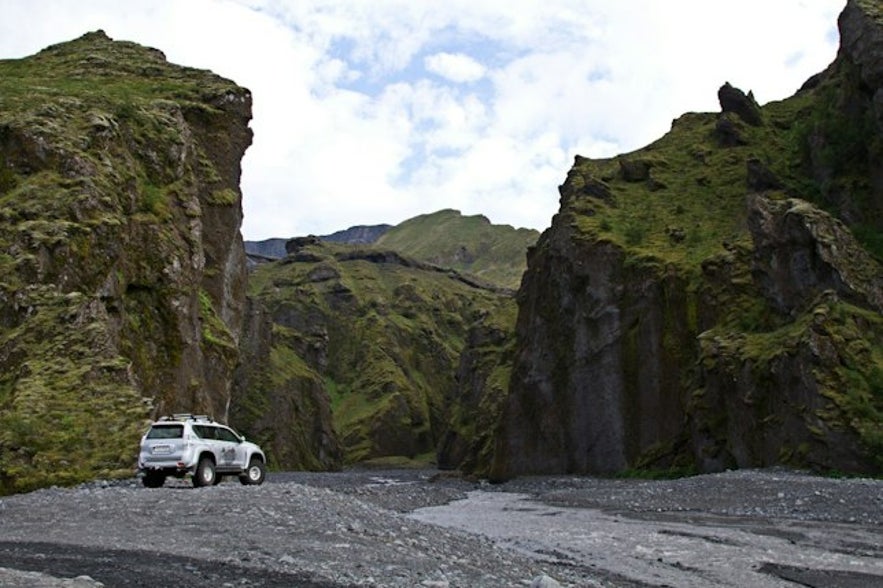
pixel 281 401
pixel 713 300
pixel 383 355
pixel 123 282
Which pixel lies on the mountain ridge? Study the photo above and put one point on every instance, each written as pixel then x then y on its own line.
pixel 445 238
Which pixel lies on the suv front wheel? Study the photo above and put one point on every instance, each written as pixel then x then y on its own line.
pixel 255 473
pixel 205 472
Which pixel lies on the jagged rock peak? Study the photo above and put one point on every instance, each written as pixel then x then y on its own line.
pixel 734 100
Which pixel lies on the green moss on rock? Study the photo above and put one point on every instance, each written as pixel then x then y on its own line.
pixel 120 295
pixel 385 333
pixel 699 282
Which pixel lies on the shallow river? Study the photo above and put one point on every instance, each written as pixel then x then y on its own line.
pixel 699 550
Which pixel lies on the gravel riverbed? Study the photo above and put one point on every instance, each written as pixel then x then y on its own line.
pixel 425 528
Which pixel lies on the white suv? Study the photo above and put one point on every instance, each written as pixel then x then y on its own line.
pixel 195 445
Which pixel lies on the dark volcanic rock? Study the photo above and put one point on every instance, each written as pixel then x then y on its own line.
pixel 760 178
pixel 862 40
pixel 729 131
pixel 594 361
pixel 287 411
pixel 800 252
pixel 713 322
pixel 745 106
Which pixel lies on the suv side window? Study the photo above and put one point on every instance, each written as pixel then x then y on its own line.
pixel 227 435
pixel 206 432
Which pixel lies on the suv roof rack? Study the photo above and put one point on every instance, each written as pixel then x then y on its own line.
pixel 186 416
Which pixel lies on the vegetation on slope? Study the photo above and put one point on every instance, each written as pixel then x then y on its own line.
pixel 678 207
pixel 385 333
pixel 469 244
pixel 106 181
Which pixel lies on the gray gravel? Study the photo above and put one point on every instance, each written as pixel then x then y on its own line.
pixel 422 528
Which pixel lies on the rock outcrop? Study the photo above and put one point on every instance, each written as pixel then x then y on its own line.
pixel 720 317
pixel 742 105
pixel 281 401
pixel 270 249
pixel 801 251
pixel 123 269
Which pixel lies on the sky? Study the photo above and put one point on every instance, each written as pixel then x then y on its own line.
pixel 375 111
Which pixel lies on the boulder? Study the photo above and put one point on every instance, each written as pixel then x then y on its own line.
pixel 760 178
pixel 744 106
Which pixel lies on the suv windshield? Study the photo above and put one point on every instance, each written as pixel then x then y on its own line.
pixel 166 432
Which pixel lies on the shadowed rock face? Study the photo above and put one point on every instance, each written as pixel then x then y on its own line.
pixel 124 272
pixel 800 252
pixel 755 337
pixel 592 370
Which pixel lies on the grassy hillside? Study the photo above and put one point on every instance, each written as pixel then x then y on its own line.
pixel 384 333
pixel 471 244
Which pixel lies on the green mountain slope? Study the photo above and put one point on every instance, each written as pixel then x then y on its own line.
pixel 470 244
pixel 384 334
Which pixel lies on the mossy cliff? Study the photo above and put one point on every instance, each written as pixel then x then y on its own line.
pixel 374 350
pixel 122 287
pixel 714 300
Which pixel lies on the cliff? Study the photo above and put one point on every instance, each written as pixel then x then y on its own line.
pixel 714 299
pixel 367 355
pixel 123 285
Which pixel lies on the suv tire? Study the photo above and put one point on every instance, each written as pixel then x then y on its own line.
pixel 205 474
pixel 153 480
pixel 255 474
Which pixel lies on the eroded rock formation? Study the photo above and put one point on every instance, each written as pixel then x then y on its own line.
pixel 753 338
pixel 124 272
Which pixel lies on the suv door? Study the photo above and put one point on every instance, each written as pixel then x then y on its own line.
pixel 232 451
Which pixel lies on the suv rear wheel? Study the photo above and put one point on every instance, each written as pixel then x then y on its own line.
pixel 205 474
pixel 255 473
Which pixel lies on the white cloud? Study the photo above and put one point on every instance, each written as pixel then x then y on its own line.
pixel 370 112
pixel 456 67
